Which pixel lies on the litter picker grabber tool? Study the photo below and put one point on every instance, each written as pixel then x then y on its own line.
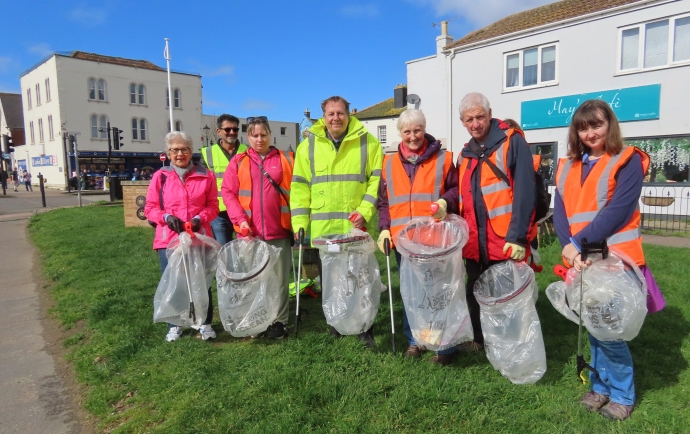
pixel 587 249
pixel 298 277
pixel 387 250
pixel 192 312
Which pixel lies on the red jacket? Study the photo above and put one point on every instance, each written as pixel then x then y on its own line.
pixel 265 204
pixel 198 196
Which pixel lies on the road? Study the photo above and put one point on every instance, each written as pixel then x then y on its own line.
pixel 26 202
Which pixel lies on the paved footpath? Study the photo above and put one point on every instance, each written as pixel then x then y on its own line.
pixel 34 398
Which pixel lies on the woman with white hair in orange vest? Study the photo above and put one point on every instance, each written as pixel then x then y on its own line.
pixel 412 172
pixel 597 158
pixel 256 191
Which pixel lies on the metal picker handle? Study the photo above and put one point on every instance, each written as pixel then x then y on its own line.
pixel 192 311
pixel 387 251
pixel 298 278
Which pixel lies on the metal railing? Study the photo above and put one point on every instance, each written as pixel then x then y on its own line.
pixel 665 208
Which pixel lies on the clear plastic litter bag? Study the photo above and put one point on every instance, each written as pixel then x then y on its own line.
pixel 190 270
pixel 432 281
pixel 614 296
pixel 351 281
pixel 248 287
pixel 507 293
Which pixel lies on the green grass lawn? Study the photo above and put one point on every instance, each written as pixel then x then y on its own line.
pixel 105 276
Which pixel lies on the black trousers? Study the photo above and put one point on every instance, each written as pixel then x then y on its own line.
pixel 474 270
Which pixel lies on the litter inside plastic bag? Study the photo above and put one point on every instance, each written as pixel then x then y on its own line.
pixel 614 295
pixel 432 281
pixel 507 293
pixel 351 281
pixel 190 270
pixel 248 289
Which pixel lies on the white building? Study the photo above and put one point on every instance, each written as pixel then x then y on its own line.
pixel 285 134
pixel 81 92
pixel 537 66
pixel 381 120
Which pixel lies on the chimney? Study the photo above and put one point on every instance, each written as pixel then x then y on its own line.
pixel 354 110
pixel 400 96
pixel 306 113
pixel 444 39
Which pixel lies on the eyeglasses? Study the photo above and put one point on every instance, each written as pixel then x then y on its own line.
pixel 256 119
pixel 228 129
pixel 183 151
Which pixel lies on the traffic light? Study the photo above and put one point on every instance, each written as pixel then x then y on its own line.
pixel 72 140
pixel 9 147
pixel 117 139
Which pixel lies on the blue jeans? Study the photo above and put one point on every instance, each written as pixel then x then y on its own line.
pixel 222 228
pixel 614 362
pixel 163 258
pixel 406 324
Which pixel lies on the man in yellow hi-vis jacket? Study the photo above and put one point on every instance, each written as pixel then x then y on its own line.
pixel 336 178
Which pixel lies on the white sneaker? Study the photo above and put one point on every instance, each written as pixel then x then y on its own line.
pixel 207 332
pixel 174 334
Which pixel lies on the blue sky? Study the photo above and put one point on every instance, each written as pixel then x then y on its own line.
pixel 272 58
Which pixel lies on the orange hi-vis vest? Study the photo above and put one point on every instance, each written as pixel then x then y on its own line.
pixel 584 201
pixel 498 196
pixel 407 201
pixel 245 193
pixel 536 162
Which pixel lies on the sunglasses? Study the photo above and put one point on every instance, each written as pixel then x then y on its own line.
pixel 253 119
pixel 228 129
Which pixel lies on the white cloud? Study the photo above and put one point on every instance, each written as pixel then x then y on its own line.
pixel 480 13
pixel 225 70
pixel 87 16
pixel 42 49
pixel 257 104
pixel 358 11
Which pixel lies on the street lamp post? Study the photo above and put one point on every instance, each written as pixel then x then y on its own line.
pixel 206 130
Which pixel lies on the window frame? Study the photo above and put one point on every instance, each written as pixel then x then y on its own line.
pixel 539 83
pixel 41 135
pixel 98 90
pixel 38 94
pixel 177 98
pixel 178 123
pixel 31 131
pixel 103 123
pixel 51 133
pixel 92 125
pixel 91 87
pixel 28 98
pixel 47 83
pixel 641 35
pixel 554 159
pixel 143 127
pixel 382 137
pixel 660 170
pixel 141 94
pixel 283 131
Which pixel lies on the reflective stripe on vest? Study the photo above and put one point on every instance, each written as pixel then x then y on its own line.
pixel 583 201
pixel 407 201
pixel 245 191
pixel 359 177
pixel 218 164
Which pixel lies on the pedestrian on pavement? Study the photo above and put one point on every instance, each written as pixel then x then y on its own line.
pixel 596 153
pixel 256 191
pixel 336 178
pixel 411 172
pixel 15 178
pixel 216 158
pixel 27 180
pixel 136 176
pixel 497 196
pixel 179 193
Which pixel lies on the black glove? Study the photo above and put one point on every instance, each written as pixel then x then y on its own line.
pixel 196 225
pixel 175 224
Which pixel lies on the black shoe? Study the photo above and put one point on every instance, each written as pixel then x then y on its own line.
pixel 443 359
pixel 335 333
pixel 367 339
pixel 277 331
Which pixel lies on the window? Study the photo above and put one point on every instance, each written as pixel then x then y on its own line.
pixel 656 44
pixel 28 98
pixel 382 134
pixel 547 166
pixel 103 124
pixel 139 129
pixel 94 126
pixel 531 67
pixel 135 129
pixel 101 90
pixel 51 134
pixel 31 130
pixel 132 93
pixel 244 128
pixel 38 94
pixel 176 96
pixel 40 130
pixel 142 94
pixel 669 157
pixel 92 88
pixel 178 126
pixel 283 131
pixel 47 89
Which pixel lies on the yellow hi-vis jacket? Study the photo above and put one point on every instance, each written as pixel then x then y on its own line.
pixel 217 161
pixel 327 186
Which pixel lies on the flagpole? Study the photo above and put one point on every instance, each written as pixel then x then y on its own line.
pixel 166 54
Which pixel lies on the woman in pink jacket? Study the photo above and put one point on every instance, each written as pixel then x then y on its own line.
pixel 256 191
pixel 179 193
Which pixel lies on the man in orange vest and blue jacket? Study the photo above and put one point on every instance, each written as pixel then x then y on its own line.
pixel 497 196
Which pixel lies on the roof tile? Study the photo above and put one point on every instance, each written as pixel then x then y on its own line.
pixel 143 64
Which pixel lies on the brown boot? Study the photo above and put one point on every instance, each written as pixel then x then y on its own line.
pixel 443 359
pixel 593 401
pixel 413 351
